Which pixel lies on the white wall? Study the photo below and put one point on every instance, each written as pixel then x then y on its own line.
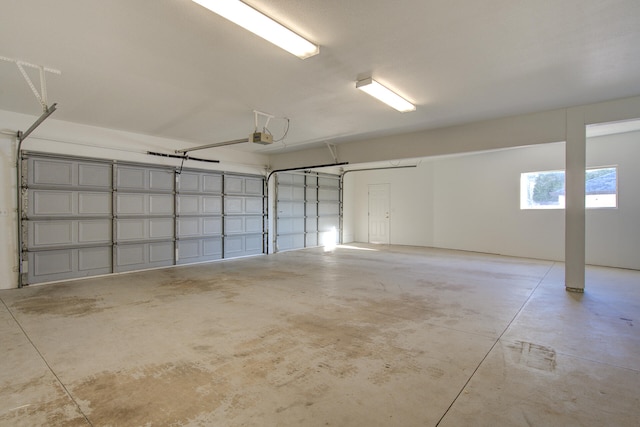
pixel 471 202
pixel 55 136
pixel 8 229
pixel 477 202
pixel 613 235
pixel 410 202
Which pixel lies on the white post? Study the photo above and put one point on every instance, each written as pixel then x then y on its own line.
pixel 575 149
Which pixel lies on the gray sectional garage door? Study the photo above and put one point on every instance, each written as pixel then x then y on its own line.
pixel 244 219
pixel 143 205
pixel 83 217
pixel 199 221
pixel 308 210
pixel 67 218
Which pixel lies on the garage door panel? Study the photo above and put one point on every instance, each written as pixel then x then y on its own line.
pixel 311 239
pixel 64 264
pixel 233 205
pixel 286 209
pixel 161 252
pixel 161 204
pixel 212 247
pixel 243 205
pixel 233 185
pixel 287 192
pixel 328 208
pixel 199 205
pixel 253 224
pixel 161 228
pixel 131 229
pixel 311 194
pixel 95 259
pixel 128 230
pixel 328 194
pixel 94 204
pixel 53 262
pixel 291 179
pixel 311 224
pixel 189 205
pixel 324 181
pixel 291 225
pixel 52 172
pixel 212 183
pixel 253 205
pixel 330 237
pixel 129 255
pixel 312 209
pixel 52 203
pixel 161 180
pixel 243 224
pixel 234 225
pixel 144 204
pixel 140 256
pixel 189 227
pixel 199 182
pixel 44 234
pixel 290 242
pixel 131 178
pixel 67 173
pixel 131 204
pixel 50 233
pixel 243 245
pixel 211 226
pixel 243 185
pixel 254 186
pixel 96 231
pixel 198 250
pixel 212 205
pixel 190 182
pixel 94 175
pixel 189 250
pixel 328 223
pixel 55 203
pixel 141 178
pixel 194 227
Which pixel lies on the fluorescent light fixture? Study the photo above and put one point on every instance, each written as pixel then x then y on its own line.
pixel 385 95
pixel 250 19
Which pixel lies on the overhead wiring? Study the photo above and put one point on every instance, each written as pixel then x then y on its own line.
pixel 286 132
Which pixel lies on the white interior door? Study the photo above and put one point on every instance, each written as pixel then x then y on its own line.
pixel 379 213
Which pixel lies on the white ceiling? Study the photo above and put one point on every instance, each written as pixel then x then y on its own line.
pixel 171 68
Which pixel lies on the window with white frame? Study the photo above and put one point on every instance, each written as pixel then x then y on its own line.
pixel 546 189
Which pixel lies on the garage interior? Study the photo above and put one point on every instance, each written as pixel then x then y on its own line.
pixel 344 264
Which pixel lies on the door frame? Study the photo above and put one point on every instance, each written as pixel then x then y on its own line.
pixel 387 188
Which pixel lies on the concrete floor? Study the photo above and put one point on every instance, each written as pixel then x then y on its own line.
pixel 393 336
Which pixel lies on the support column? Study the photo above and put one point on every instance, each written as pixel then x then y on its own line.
pixel 575 158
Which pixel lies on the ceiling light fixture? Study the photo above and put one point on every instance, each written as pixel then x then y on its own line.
pixel 250 19
pixel 385 95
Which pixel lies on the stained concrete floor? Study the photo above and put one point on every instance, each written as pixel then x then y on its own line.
pixel 362 336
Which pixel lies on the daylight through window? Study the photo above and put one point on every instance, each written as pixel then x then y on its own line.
pixel 546 190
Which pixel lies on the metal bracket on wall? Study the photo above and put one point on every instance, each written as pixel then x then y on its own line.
pixel 24 135
pixel 41 95
pixel 20 182
pixel 334 151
